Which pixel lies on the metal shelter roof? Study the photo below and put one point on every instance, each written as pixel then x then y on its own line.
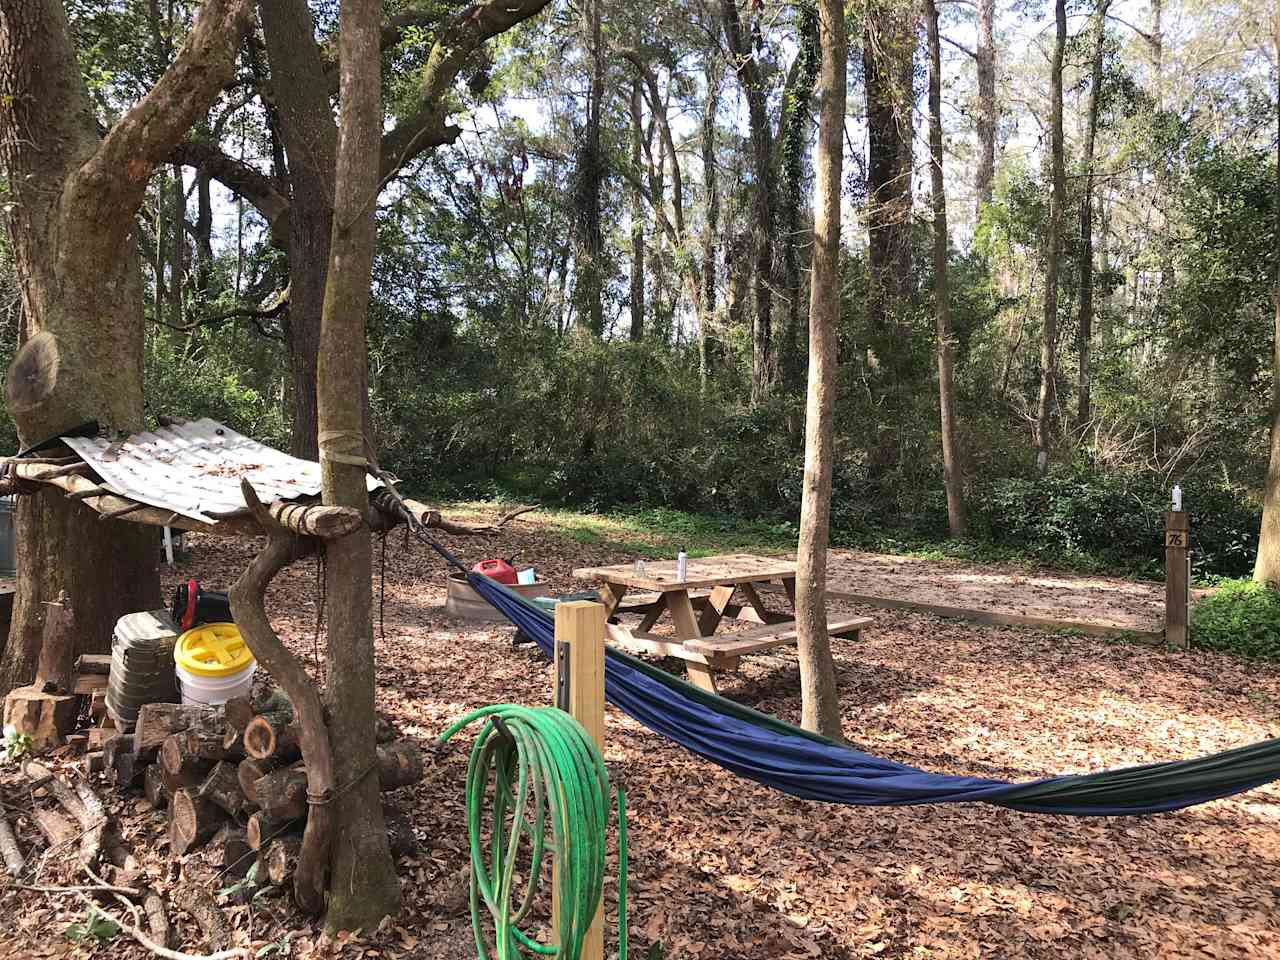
pixel 194 469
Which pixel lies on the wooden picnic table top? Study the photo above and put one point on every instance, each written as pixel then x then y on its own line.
pixel 702 572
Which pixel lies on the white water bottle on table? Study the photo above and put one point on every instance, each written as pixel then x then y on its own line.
pixel 682 565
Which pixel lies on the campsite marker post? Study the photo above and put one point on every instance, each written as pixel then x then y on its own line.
pixel 1177 574
pixel 579 660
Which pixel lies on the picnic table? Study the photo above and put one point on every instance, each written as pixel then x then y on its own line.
pixel 713 591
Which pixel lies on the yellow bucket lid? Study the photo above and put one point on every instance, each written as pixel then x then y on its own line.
pixel 212 650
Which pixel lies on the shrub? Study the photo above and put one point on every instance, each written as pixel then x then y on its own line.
pixel 1242 617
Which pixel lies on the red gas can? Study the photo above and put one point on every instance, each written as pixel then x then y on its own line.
pixel 498 570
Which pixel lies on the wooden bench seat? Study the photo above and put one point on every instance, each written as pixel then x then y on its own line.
pixel 766 637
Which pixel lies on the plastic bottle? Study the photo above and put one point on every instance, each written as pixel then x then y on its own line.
pixel 682 565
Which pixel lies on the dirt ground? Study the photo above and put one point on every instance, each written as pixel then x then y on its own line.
pixel 723 868
pixel 1106 601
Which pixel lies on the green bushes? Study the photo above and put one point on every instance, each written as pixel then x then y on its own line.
pixel 1242 617
pixel 1079 517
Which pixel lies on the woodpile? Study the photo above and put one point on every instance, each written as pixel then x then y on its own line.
pixel 232 779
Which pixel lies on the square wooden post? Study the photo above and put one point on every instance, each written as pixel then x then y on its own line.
pixel 580 626
pixel 1177 542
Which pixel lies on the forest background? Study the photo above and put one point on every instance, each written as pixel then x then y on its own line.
pixel 593 292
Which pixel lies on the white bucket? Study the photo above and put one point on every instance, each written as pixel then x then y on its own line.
pixel 214 690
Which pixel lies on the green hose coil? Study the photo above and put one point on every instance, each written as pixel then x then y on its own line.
pixel 545 769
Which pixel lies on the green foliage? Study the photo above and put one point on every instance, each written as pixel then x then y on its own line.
pixel 1086 518
pixel 96 926
pixel 1240 617
pixel 14 744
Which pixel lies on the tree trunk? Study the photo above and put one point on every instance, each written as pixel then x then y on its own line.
pixel 588 287
pixel 793 132
pixel 1267 566
pixel 887 52
pixel 952 479
pixel 637 220
pixel 711 194
pixel 987 116
pixel 363 887
pixel 75 197
pixel 764 365
pixel 1053 251
pixel 1084 330
pixel 820 699
pixel 300 95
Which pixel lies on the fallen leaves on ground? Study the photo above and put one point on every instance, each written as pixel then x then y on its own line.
pixel 723 868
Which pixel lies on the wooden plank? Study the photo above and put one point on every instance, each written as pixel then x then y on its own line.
pixel 611 595
pixel 789 586
pixel 766 638
pixel 87 684
pixel 714 608
pixel 682 616
pixel 764 613
pixel 702 573
pixel 655 611
pixel 581 624
pixel 998 618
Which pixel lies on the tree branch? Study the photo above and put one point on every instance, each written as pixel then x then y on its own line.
pixel 255 314
pixel 111 185
pixel 458 38
pixel 248 606
pixel 1138 30
pixel 960 46
pixel 241 179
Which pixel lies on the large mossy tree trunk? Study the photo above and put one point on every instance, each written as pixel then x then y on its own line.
pixel 637 217
pixel 765 275
pixel 952 480
pixel 1052 250
pixel 588 284
pixel 362 883
pixel 820 699
pixel 1266 568
pixel 987 114
pixel 1084 329
pixel 888 50
pixel 74 196
pixel 301 99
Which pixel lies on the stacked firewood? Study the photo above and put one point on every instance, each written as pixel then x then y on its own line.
pixel 232 776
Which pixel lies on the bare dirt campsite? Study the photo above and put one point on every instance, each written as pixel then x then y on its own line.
pixel 722 868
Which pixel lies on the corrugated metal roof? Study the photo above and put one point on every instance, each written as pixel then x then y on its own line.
pixel 195 468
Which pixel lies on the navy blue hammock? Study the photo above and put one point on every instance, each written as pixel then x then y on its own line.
pixel 767 750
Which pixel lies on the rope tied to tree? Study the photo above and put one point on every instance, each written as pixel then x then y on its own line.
pixel 348 439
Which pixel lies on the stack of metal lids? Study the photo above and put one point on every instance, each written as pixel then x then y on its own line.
pixel 141 664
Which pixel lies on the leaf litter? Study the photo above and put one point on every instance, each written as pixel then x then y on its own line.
pixel 724 868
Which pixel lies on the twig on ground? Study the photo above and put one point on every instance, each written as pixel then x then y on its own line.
pixel 154 947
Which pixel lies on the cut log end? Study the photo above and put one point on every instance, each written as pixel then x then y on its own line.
pixel 193 820
pixel 45 717
pixel 272 735
pixel 33 374
pixel 282 859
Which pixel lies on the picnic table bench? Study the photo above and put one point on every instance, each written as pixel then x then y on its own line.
pixel 714 589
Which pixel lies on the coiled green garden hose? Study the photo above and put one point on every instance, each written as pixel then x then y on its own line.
pixel 544 768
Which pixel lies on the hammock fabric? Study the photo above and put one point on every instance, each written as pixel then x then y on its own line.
pixel 802 764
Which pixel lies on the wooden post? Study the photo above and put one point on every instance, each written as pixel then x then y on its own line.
pixel 580 624
pixel 1177 541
